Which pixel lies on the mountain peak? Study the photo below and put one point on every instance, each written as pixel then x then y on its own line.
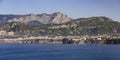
pixel 44 18
pixel 60 18
pixel 31 14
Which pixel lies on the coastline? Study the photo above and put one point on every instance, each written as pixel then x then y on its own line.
pixel 101 39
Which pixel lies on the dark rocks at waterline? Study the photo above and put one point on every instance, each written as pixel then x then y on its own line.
pixel 112 41
pixel 91 41
pixel 67 41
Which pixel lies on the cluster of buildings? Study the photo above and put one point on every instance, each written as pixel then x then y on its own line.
pixel 99 39
pixel 65 40
pixel 4 33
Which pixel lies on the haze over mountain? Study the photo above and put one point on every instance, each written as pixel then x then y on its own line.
pixel 73 8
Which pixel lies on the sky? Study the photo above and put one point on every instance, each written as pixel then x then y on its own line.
pixel 73 8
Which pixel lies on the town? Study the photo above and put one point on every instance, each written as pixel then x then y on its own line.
pixel 9 37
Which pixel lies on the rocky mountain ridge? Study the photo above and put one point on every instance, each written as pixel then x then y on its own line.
pixel 81 26
pixel 55 18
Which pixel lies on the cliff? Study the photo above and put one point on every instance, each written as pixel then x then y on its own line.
pixel 55 18
pixel 57 24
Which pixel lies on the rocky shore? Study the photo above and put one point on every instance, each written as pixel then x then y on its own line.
pixel 99 39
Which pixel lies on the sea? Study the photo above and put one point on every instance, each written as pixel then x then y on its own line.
pixel 59 52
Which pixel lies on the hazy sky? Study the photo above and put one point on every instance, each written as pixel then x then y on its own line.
pixel 73 8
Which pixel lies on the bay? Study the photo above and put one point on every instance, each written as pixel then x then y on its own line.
pixel 59 52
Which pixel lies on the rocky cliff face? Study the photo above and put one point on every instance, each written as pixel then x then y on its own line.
pixel 56 18
pixel 82 26
pixel 60 18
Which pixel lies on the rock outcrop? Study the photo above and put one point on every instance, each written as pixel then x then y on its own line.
pixel 55 18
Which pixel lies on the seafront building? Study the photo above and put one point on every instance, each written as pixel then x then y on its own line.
pixel 99 39
pixel 10 37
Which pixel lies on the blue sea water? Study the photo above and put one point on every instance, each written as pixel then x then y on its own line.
pixel 59 52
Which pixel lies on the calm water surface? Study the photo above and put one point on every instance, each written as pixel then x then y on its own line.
pixel 59 52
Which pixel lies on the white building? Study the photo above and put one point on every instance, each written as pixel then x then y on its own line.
pixel 3 33
pixel 11 33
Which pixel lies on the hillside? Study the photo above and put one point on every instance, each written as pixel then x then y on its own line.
pixel 81 26
pixel 56 18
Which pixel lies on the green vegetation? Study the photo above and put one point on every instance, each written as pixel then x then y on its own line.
pixel 82 26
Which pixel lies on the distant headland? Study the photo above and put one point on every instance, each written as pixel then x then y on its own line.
pixel 57 26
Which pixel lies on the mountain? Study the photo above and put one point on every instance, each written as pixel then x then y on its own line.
pixel 55 18
pixel 34 22
pixel 76 27
pixel 94 26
